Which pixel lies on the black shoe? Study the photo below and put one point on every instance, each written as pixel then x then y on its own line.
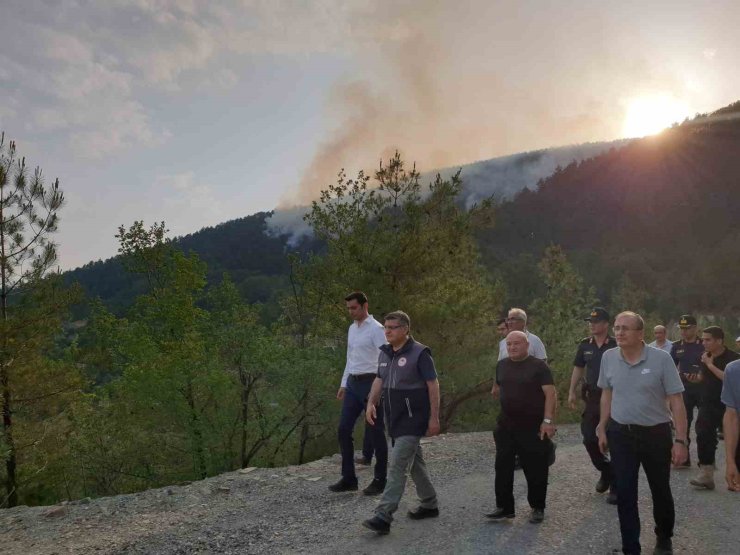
pixel 537 516
pixel 377 525
pixel 376 487
pixel 603 484
pixel 611 498
pixel 422 512
pixel 663 546
pixel 500 514
pixel 344 485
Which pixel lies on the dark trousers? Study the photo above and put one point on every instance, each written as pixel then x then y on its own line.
pixel 630 447
pixel 355 401
pixel 533 455
pixel 709 419
pixel 367 443
pixel 589 421
pixel 692 400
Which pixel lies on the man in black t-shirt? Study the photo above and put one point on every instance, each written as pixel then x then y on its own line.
pixel 525 426
pixel 711 410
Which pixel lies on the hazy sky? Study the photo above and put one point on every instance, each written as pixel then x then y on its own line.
pixel 197 112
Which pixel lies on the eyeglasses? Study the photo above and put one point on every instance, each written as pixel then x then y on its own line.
pixel 617 329
pixel 515 319
pixel 394 327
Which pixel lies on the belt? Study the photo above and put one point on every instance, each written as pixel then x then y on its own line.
pixel 362 377
pixel 635 427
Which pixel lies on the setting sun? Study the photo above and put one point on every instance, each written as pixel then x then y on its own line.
pixel 648 115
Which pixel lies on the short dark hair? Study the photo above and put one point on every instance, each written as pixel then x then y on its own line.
pixel 358 296
pixel 715 331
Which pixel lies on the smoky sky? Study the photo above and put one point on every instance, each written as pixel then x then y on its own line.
pixel 454 82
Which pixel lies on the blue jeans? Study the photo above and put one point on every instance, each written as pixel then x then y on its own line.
pixel 355 400
pixel 649 446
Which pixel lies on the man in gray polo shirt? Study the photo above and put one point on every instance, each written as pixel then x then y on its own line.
pixel 636 380
pixel 731 422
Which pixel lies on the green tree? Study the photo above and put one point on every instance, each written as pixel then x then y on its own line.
pixel 558 315
pixel 408 248
pixel 28 219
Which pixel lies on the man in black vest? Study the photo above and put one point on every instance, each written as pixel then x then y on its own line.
pixel 525 426
pixel 408 382
pixel 588 362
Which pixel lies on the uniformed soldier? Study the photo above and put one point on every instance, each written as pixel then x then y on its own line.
pixel 686 353
pixel 588 361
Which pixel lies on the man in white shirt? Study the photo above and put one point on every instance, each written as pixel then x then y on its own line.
pixel 659 332
pixel 364 339
pixel 517 321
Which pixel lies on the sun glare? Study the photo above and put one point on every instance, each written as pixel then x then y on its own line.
pixel 648 115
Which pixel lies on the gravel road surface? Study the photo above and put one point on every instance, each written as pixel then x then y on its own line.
pixel 290 510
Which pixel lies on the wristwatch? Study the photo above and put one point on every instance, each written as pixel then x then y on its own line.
pixel 681 441
pixel 547 421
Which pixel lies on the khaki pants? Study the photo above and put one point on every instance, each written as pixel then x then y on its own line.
pixel 406 457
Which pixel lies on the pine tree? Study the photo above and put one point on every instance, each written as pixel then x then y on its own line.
pixel 28 218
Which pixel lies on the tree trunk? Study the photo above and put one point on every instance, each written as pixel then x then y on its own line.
pixel 200 460
pixel 449 408
pixel 11 486
pixel 246 390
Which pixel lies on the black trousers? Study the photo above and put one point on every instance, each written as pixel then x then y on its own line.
pixel 589 421
pixel 649 446
pixel 709 419
pixel 533 456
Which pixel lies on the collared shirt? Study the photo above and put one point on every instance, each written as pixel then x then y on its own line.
pixel 363 341
pixel 639 390
pixel 687 356
pixel 666 346
pixel 536 347
pixel 589 356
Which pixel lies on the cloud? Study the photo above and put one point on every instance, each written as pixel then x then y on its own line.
pixel 186 199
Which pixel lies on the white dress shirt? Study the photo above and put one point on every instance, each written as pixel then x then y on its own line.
pixel 536 347
pixel 363 341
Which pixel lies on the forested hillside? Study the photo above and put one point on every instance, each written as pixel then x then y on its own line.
pixel 661 212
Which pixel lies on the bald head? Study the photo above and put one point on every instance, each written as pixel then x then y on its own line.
pixel 659 332
pixel 517 345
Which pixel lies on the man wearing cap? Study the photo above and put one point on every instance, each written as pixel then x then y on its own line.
pixel 517 321
pixel 686 353
pixel 659 332
pixel 641 393
pixel 588 361
pixel 714 360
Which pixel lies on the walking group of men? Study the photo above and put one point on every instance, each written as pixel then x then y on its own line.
pixel 639 401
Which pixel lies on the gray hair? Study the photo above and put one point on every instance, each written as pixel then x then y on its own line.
pixel 519 313
pixel 635 316
pixel 399 316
